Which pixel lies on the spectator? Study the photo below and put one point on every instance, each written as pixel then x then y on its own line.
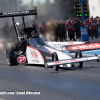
pixel 98 27
pixel 58 31
pixel 42 29
pixel 92 24
pixel 86 24
pixel 63 31
pixel 69 27
pixel 77 29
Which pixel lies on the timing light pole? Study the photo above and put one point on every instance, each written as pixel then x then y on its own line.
pixel 82 10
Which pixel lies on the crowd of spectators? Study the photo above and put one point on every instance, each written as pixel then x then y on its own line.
pixel 56 30
pixel 69 29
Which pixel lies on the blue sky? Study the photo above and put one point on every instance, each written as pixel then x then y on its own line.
pixel 27 1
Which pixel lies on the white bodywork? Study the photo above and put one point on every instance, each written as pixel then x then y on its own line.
pixel 61 56
pixel 59 45
pixel 34 56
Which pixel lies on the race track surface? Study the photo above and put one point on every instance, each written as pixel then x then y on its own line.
pixel 71 84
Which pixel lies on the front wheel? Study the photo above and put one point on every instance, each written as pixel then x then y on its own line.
pixel 78 54
pixel 55 58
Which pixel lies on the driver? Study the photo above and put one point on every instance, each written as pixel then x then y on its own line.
pixel 34 25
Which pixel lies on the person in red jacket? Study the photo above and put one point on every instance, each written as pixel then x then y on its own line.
pixel 69 27
pixel 92 25
pixel 42 29
pixel 86 24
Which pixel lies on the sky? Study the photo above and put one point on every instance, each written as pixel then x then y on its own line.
pixel 27 1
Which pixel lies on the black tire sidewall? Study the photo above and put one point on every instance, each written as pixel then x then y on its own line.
pixel 10 53
pixel 55 58
pixel 79 54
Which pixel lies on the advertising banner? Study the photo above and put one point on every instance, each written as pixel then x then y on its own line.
pixel 84 34
pixel 82 47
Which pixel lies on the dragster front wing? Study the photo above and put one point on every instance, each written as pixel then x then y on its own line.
pixel 70 61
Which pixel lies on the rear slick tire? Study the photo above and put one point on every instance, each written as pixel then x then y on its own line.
pixel 10 54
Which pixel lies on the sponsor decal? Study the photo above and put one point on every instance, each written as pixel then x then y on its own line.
pixel 72 61
pixel 35 60
pixel 21 59
pixel 85 46
pixel 34 54
pixel 50 58
pixel 17 12
pixel 84 31
pixel 68 61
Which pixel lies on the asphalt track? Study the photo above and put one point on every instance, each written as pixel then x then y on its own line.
pixel 71 84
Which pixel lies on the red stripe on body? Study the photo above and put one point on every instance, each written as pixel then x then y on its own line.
pixel 48 50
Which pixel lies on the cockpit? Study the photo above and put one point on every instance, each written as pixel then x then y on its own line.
pixel 36 42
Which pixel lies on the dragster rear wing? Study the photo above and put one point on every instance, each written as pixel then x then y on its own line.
pixel 70 61
pixel 18 13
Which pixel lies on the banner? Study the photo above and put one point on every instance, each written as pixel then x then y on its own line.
pixel 82 47
pixel 84 34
